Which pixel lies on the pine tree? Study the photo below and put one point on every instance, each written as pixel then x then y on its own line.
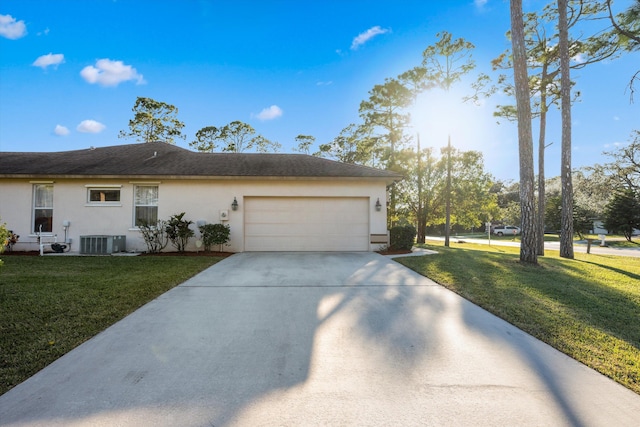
pixel 622 213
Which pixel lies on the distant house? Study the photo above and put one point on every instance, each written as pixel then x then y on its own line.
pixel 272 202
pixel 598 228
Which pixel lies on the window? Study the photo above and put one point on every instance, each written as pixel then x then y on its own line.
pixel 42 208
pixel 103 196
pixel 146 205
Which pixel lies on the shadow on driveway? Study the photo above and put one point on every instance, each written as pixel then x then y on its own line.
pixel 314 339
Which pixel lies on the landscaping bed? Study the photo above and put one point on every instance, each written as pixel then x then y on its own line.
pixel 191 254
pixel 183 254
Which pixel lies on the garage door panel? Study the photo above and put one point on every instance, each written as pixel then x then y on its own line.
pixel 349 228
pixel 270 217
pixel 306 224
pixel 292 243
pixel 277 229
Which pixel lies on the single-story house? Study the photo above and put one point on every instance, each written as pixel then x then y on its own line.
pixel 272 202
pixel 598 228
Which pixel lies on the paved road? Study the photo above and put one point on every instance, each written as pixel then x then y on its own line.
pixel 293 339
pixel 552 246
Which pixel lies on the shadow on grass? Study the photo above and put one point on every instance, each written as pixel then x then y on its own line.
pixel 559 302
pixel 50 305
pixel 255 335
pixel 248 329
pixel 629 274
pixel 603 306
pixel 622 244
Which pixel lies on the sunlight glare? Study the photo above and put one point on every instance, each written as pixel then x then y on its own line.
pixel 438 114
pixel 328 305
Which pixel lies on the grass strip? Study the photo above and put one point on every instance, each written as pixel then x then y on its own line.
pixel 588 308
pixel 50 305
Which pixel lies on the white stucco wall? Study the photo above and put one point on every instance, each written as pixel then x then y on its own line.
pixel 199 199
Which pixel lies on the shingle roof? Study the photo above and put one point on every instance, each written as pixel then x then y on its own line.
pixel 165 160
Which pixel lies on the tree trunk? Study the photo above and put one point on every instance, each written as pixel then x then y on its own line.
pixel 541 148
pixel 447 221
pixel 391 165
pixel 528 248
pixel 566 228
pixel 541 188
pixel 420 223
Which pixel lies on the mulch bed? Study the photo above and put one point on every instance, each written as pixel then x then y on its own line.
pixel 20 253
pixel 190 253
pixel 394 252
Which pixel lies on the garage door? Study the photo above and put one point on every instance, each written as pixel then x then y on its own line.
pixel 306 224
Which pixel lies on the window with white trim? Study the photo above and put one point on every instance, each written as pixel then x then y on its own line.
pixel 42 208
pixel 145 205
pixel 100 196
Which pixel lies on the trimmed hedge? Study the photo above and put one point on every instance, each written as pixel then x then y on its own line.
pixel 402 237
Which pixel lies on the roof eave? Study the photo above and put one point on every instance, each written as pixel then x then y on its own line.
pixel 387 179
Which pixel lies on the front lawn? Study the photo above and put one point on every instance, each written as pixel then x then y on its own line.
pixel 588 308
pixel 50 305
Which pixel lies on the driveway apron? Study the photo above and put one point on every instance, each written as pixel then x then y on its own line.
pixel 315 339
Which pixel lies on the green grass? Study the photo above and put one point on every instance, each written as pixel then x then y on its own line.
pixel 50 305
pixel 623 243
pixel 588 308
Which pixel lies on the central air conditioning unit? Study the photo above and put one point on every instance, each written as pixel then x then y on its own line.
pixel 102 245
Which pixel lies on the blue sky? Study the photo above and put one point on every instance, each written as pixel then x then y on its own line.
pixel 70 72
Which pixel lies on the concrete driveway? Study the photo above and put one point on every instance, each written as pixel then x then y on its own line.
pixel 305 339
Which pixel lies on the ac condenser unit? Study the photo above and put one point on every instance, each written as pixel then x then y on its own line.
pixel 102 245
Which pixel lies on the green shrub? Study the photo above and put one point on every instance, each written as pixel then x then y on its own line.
pixel 214 234
pixel 4 235
pixel 155 236
pixel 178 231
pixel 402 237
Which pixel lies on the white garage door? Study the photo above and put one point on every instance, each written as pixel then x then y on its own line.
pixel 306 224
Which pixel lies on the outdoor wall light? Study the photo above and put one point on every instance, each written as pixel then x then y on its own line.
pixel 378 205
pixel 234 205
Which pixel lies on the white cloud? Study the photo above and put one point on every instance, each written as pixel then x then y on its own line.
pixel 270 113
pixel 50 59
pixel 90 126
pixel 61 130
pixel 616 144
pixel 12 29
pixel 110 73
pixel 328 83
pixel 362 38
pixel 580 58
pixel 480 3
